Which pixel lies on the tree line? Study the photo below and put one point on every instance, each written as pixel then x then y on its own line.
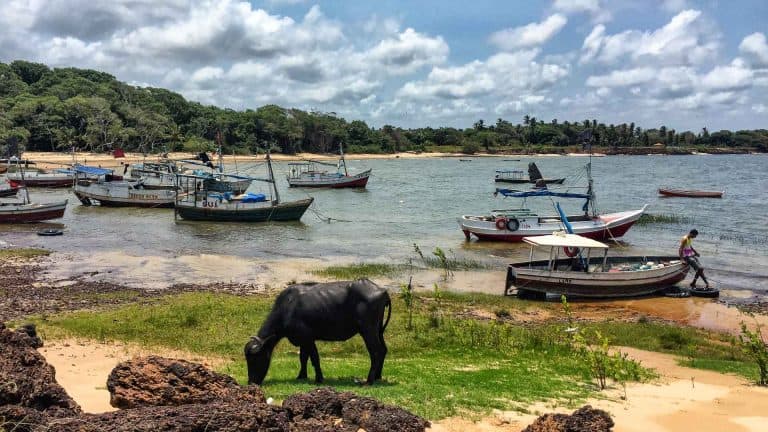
pixel 58 109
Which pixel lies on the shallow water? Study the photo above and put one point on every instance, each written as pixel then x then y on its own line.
pixel 418 200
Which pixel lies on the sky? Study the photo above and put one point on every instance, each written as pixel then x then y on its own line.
pixel 683 64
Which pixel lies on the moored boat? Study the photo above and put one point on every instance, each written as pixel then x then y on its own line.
pixel 57 178
pixel 196 201
pixel 513 225
pixel 26 212
pixel 579 274
pixel 307 174
pixel 668 192
pixel 98 185
pixel 518 176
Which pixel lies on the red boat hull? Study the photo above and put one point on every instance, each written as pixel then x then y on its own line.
pixel 690 193
pixel 598 234
pixel 37 216
pixel 353 183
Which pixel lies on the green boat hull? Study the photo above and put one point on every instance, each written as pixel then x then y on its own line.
pixel 285 211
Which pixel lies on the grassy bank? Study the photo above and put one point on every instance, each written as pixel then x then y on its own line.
pixel 441 367
pixel 444 365
pixel 23 253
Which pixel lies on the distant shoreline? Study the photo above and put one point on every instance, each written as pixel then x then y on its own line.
pixel 56 159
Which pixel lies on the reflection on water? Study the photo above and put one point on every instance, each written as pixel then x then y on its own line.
pixel 418 201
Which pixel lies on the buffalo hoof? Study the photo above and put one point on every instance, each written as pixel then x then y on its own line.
pixel 301 378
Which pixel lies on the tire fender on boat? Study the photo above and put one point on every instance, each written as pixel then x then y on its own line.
pixel 513 224
pixel 571 251
pixel 501 223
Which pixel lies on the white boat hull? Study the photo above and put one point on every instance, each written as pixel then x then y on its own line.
pixel 123 194
pixel 602 227
pixel 522 277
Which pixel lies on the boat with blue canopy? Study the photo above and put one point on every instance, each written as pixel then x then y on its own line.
pixel 512 225
pixel 199 199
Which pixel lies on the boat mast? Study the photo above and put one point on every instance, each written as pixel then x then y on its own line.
pixel 221 158
pixel 342 160
pixel 272 178
pixel 590 188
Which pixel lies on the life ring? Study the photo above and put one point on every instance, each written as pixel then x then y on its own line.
pixel 513 224
pixel 501 223
pixel 571 252
pixel 50 232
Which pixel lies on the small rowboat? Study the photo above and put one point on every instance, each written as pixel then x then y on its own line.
pixel 690 193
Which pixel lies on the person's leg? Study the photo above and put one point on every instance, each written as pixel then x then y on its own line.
pixel 704 278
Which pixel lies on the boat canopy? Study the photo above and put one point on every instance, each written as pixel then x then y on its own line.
pixel 92 170
pixel 565 240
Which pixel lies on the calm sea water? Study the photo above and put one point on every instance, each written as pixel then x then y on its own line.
pixel 417 201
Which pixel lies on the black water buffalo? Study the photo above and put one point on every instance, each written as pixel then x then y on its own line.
pixel 335 311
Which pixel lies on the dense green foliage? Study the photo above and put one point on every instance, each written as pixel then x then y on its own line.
pixel 57 109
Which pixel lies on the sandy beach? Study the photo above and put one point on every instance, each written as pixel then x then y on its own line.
pixel 48 160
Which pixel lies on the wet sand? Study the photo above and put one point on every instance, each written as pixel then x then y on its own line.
pixel 160 273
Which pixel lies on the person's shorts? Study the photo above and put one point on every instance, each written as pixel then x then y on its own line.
pixel 693 262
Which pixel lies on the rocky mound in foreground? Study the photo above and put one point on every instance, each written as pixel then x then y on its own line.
pixel 174 395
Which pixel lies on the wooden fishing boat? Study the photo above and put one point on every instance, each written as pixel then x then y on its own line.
pixel 57 178
pixel 195 201
pixel 307 174
pixel 154 175
pixel 99 186
pixel 26 212
pixel 518 176
pixel 512 225
pixel 690 193
pixel 578 274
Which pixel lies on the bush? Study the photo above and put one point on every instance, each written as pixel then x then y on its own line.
pixel 470 148
pixel 754 346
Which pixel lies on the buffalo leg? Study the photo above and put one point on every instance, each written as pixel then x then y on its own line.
pixel 315 357
pixel 376 351
pixel 303 356
pixel 383 354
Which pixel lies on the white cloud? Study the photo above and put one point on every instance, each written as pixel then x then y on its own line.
pixel 728 78
pixel 598 12
pixel 490 79
pixel 409 51
pixel 674 6
pixel 623 78
pixel 528 35
pixel 756 46
pixel 685 40
pixel 760 108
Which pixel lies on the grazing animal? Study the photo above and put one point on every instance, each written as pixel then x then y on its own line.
pixel 334 311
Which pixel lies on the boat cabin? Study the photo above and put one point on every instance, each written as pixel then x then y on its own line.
pixel 511 176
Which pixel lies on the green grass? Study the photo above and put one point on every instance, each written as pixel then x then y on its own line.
pixel 359 270
pixel 26 253
pixel 461 366
pixel 649 219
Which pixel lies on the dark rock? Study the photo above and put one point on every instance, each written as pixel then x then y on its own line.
pixel 316 403
pixel 27 380
pixel 585 419
pixel 158 381
pixel 373 416
pixel 349 410
pixel 194 399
